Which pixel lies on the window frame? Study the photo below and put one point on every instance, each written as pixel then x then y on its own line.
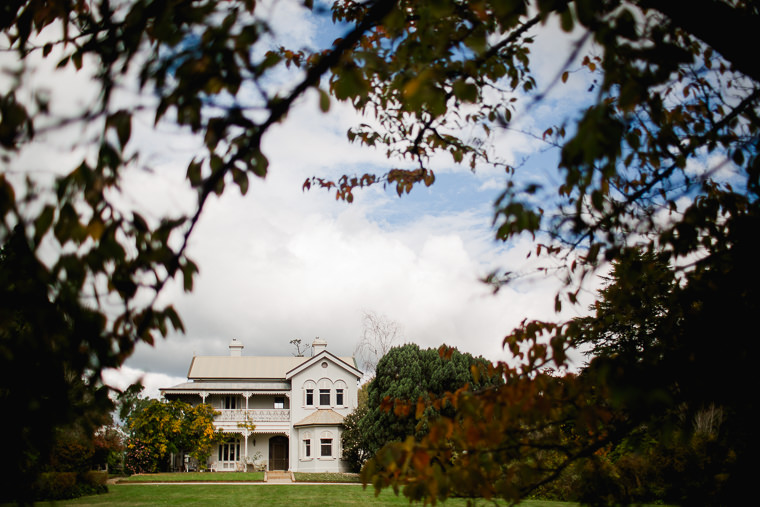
pixel 325 443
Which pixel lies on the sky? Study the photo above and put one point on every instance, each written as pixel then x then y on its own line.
pixel 281 263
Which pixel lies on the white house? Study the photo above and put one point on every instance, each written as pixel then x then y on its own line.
pixel 295 404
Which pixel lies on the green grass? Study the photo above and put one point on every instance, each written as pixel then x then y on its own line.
pixel 197 477
pixel 326 477
pixel 260 494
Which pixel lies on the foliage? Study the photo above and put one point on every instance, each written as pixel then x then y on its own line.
pixel 79 449
pixel 407 375
pixel 600 425
pixel 354 452
pixel 199 433
pixel 164 427
pixel 139 459
pixel 666 157
pixel 109 448
pixel 73 451
pixel 626 322
pixel 67 485
pixel 129 401
pixel 202 65
pixel 50 340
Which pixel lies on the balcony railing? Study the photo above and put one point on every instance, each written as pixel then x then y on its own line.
pixel 257 415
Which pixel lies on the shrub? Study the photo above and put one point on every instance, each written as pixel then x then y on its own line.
pixel 67 485
pixel 139 459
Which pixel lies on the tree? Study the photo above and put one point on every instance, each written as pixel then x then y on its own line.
pixel 199 434
pixel 130 401
pixel 406 375
pixel 379 333
pixel 628 323
pixel 300 349
pixel 665 157
pixel 193 64
pixel 353 444
pixel 163 427
pixel 47 338
pixel 109 449
pixel 636 397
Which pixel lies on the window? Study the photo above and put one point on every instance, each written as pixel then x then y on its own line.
pixel 325 447
pixel 307 448
pixel 308 393
pixel 339 397
pixel 229 451
pixel 324 397
pixel 230 402
pixel 279 402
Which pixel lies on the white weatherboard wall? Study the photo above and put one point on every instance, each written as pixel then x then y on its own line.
pixel 245 389
pixel 326 371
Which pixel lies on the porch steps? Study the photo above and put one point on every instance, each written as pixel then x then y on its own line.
pixel 279 477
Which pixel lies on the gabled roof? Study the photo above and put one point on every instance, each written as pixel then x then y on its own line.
pixel 347 363
pixel 252 367
pixel 322 417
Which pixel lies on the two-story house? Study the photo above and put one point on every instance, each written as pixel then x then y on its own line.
pixel 288 409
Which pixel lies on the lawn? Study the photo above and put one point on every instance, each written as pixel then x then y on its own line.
pixel 341 495
pixel 197 477
pixel 326 477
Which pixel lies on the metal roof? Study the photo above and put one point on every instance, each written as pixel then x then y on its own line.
pixel 246 367
pixel 228 387
pixel 323 417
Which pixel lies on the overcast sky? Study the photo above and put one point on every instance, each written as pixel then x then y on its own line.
pixel 281 263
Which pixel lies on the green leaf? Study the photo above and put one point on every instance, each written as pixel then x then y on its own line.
pixel 261 163
pixel 241 179
pixel 189 269
pixel 324 100
pixel 43 222
pixel 121 121
pixel 194 173
pixel 77 59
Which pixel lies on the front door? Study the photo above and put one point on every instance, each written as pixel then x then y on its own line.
pixel 278 453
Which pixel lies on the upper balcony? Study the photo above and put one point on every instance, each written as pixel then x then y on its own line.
pixel 255 416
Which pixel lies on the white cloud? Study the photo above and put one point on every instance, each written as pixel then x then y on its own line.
pixel 280 263
pixel 125 376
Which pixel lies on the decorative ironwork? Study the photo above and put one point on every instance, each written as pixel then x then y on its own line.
pixel 255 415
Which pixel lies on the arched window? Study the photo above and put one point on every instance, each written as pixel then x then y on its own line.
pixel 326 444
pixel 341 394
pixel 306 451
pixel 308 393
pixel 325 386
